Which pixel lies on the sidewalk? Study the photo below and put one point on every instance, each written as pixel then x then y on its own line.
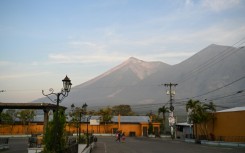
pixel 15 136
pixel 218 143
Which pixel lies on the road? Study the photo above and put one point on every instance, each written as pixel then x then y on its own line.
pixel 17 145
pixel 135 145
pixel 148 145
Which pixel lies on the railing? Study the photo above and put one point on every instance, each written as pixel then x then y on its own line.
pixel 4 143
pixel 4 140
pixel 73 148
pixel 72 145
pixel 35 141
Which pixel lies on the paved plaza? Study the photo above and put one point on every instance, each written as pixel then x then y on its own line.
pixel 157 145
pixel 136 145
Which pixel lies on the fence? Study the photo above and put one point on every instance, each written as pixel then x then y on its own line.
pixel 4 143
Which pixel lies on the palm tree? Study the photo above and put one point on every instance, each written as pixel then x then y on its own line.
pixel 192 107
pixel 210 109
pixel 163 110
pixel 210 106
pixel 200 113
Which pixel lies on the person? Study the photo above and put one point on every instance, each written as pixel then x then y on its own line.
pixel 123 137
pixel 118 136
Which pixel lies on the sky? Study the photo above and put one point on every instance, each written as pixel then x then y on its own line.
pixel 43 41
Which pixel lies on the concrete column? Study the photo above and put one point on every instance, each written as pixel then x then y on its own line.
pixel 119 122
pixel 46 118
pixel 1 110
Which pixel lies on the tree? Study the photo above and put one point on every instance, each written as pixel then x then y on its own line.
pixel 8 117
pixel 75 115
pixel 106 115
pixel 26 116
pixel 209 108
pixel 150 129
pixel 55 136
pixel 199 113
pixel 124 110
pixel 191 108
pixel 163 110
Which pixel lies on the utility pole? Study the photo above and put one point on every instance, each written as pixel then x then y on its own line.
pixel 171 93
pixel 171 113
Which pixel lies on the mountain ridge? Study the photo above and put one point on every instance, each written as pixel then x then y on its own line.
pixel 137 82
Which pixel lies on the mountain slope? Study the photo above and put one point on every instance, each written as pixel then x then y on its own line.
pixel 139 82
pixel 116 86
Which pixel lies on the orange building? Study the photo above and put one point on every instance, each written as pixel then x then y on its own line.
pixel 228 125
pixel 130 125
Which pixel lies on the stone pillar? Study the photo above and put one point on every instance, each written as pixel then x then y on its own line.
pixel 1 110
pixel 46 118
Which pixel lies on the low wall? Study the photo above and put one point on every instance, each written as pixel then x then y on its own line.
pixel 222 143
pixel 88 149
pixel 217 143
pixel 34 150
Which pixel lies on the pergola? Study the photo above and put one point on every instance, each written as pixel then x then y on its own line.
pixel 46 107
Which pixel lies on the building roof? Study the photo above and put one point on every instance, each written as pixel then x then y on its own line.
pixel 123 119
pixel 235 109
pixel 131 119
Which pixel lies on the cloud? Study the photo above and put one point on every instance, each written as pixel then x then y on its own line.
pixel 85 45
pixel 220 5
pixel 218 34
pixel 189 3
pixel 78 58
pixel 158 47
pixel 117 57
pixel 23 75
pixel 5 63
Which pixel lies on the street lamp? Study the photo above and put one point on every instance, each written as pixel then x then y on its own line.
pixel 85 109
pixel 2 90
pixel 64 92
pixel 60 96
pixel 72 114
pixel 79 112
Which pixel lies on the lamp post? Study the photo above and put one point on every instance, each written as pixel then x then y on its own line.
pixel 85 109
pixel 2 90
pixel 78 112
pixel 57 131
pixel 64 92
pixel 81 112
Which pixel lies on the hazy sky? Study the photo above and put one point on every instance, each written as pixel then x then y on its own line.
pixel 42 41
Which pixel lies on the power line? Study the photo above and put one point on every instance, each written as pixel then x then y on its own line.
pixel 220 87
pixel 233 94
pixel 227 52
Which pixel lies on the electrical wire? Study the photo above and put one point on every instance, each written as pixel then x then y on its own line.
pixel 243 77
pixel 212 61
